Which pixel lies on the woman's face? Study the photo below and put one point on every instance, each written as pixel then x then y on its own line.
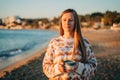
pixel 68 22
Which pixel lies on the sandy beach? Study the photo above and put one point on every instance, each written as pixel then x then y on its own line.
pixel 105 43
pixel 22 62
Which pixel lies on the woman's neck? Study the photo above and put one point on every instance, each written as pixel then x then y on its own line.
pixel 68 35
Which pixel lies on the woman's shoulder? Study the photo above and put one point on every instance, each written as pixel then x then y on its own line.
pixel 86 41
pixel 55 39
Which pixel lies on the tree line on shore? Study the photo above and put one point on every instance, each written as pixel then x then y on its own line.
pixel 107 19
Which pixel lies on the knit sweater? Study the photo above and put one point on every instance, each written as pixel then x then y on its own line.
pixel 59 50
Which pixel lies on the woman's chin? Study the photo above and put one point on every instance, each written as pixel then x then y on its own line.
pixel 68 30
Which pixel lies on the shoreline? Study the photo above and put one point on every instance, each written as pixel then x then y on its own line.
pixel 105 45
pixel 22 62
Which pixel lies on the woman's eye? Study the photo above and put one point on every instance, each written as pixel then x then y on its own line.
pixel 70 20
pixel 64 20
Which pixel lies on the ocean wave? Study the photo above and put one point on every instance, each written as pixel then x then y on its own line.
pixel 5 54
pixel 9 53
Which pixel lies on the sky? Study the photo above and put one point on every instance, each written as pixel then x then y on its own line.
pixel 53 8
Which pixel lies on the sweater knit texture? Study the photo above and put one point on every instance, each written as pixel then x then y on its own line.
pixel 59 50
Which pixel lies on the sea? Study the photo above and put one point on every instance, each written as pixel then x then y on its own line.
pixel 16 45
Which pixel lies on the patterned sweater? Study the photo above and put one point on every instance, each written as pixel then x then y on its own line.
pixel 59 50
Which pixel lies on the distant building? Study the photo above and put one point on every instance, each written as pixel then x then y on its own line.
pixel 84 24
pixel 5 21
pixel 115 27
pixel 9 20
pixel 97 25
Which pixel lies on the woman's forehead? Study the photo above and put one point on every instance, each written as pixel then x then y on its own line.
pixel 68 15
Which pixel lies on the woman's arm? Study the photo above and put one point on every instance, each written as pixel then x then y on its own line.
pixel 49 68
pixel 87 69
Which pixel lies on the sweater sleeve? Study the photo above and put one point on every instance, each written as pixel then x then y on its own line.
pixel 49 68
pixel 88 69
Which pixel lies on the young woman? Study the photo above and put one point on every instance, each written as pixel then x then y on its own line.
pixel 69 56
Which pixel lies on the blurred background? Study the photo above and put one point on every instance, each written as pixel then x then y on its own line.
pixel 26 27
pixel 44 14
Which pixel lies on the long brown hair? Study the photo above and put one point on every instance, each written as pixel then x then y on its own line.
pixel 78 39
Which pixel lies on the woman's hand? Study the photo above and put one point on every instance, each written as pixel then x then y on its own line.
pixel 76 66
pixel 61 67
pixel 69 68
pixel 64 68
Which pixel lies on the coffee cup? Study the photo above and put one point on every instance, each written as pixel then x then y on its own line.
pixel 69 65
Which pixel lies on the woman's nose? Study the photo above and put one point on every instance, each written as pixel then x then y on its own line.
pixel 67 22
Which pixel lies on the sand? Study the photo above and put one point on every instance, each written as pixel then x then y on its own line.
pixel 22 62
pixel 105 43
